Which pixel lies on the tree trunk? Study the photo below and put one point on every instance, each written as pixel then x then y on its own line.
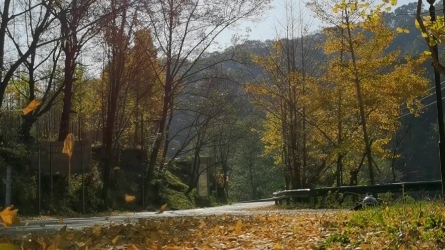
pixel 25 127
pixel 361 105
pixel 68 30
pixel 108 148
pixel 3 26
pixel 164 116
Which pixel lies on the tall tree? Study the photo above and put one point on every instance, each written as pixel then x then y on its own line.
pixel 78 20
pixel 118 33
pixel 183 31
pixel 40 11
pixel 283 91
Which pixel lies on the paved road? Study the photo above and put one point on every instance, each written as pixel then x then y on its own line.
pixel 79 223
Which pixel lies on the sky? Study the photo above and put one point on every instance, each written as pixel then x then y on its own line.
pixel 266 28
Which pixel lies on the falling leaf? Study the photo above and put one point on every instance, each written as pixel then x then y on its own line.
pixel 61 220
pixel 9 216
pixel 162 209
pixel 129 198
pixel 26 224
pixel 31 106
pixel 68 145
pixel 238 226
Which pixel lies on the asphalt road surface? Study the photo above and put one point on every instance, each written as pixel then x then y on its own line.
pixel 79 223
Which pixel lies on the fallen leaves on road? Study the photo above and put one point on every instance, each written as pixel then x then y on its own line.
pixel 273 231
pixel 211 232
pixel 373 229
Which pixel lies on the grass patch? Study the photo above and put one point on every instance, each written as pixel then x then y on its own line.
pixel 174 183
pixel 178 200
pixel 397 226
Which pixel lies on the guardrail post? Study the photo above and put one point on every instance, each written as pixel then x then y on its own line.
pixel 314 197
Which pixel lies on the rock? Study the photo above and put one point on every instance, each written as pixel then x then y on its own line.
pixel 368 201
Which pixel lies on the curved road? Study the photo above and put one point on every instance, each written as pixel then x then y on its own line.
pixel 79 223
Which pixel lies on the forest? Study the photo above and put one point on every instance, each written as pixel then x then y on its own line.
pixel 351 103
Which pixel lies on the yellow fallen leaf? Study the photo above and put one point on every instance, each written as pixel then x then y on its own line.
pixel 8 246
pixel 97 230
pixel 202 224
pixel 132 247
pixel 62 230
pixel 277 246
pixel 70 236
pixel 155 236
pixel 9 216
pixel 129 198
pixel 31 106
pixel 238 226
pixel 115 240
pixel 55 243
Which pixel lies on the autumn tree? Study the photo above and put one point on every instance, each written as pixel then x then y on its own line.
pixel 183 31
pixel 78 24
pixel 130 90
pixel 282 93
pixel 357 40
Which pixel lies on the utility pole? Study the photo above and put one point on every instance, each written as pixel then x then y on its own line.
pixel 439 104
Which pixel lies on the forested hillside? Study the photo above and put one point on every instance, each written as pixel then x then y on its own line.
pixel 349 104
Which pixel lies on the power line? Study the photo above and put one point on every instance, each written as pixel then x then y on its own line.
pixel 420 108
pixel 425 97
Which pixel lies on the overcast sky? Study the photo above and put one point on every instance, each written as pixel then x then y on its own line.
pixel 266 29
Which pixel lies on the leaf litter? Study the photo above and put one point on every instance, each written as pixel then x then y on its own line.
pixel 336 230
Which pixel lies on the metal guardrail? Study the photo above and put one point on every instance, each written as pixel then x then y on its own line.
pixel 279 196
